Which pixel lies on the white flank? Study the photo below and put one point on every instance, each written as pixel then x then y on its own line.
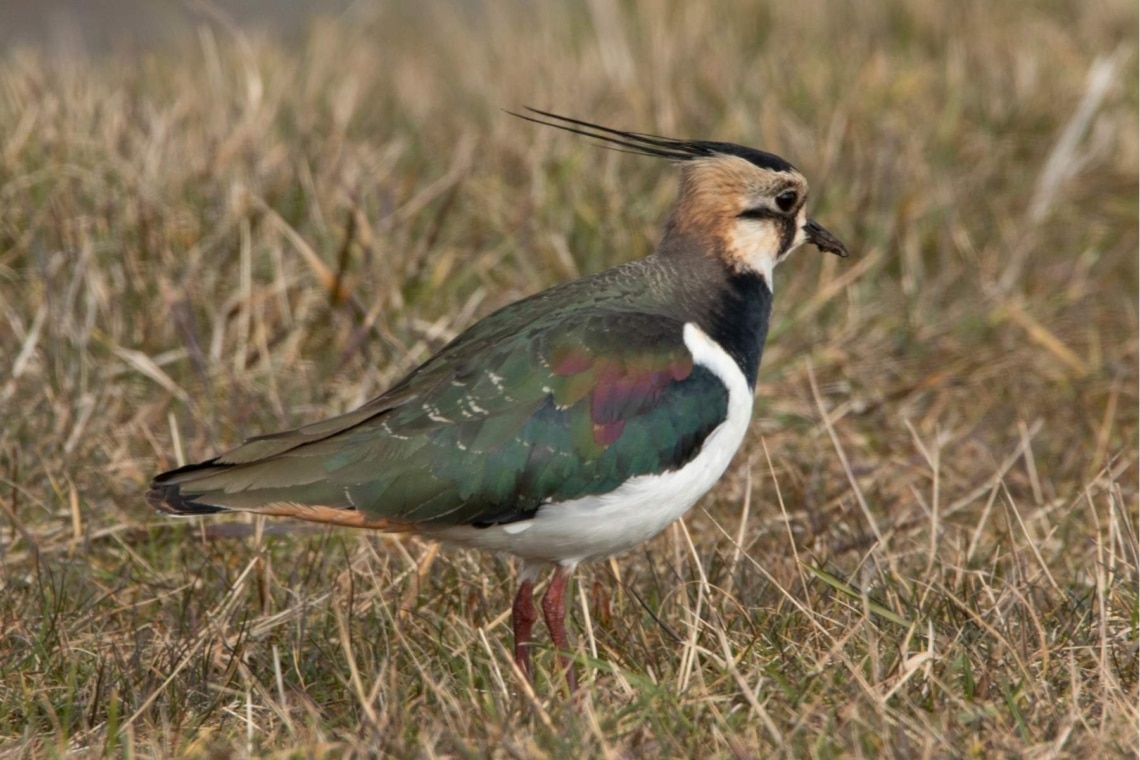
pixel 599 526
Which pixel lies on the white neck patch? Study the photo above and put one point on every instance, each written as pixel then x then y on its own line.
pixel 756 244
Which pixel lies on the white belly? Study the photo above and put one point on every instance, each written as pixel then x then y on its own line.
pixel 598 526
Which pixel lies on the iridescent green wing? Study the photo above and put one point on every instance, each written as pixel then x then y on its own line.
pixel 504 419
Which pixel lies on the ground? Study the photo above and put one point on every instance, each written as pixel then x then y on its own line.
pixel 926 547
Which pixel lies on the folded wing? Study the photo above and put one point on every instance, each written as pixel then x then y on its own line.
pixel 495 425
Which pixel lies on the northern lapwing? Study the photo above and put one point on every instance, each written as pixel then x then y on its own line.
pixel 571 425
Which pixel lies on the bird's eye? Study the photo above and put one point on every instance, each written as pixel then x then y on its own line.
pixel 787 200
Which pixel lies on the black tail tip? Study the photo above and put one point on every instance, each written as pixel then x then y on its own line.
pixel 166 494
pixel 168 498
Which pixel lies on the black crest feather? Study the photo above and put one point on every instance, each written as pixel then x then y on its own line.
pixel 654 145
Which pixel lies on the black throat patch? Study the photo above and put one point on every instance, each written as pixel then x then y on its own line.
pixel 738 321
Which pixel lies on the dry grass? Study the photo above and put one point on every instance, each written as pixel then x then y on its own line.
pixel 927 548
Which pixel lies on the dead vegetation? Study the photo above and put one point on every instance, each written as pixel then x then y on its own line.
pixel 927 548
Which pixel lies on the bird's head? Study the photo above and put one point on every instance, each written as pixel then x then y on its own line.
pixel 739 203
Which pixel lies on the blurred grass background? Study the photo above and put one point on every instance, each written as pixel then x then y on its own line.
pixel 928 546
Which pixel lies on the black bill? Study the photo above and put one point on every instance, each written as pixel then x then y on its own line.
pixel 824 240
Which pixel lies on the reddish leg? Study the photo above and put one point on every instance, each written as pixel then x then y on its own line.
pixel 523 615
pixel 554 611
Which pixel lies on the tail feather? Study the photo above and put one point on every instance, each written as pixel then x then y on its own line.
pixel 283 474
pixel 166 494
pixel 253 477
pixel 195 490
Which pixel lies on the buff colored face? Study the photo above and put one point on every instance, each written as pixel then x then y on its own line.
pixel 759 214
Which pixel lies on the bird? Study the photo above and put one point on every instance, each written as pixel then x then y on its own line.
pixel 566 427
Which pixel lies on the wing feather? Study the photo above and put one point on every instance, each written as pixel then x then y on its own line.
pixel 500 422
